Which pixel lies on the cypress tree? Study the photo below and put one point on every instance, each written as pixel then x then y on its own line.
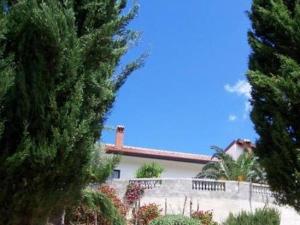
pixel 58 68
pixel 275 78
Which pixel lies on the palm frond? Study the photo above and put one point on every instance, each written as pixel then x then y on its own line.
pixel 219 152
pixel 246 167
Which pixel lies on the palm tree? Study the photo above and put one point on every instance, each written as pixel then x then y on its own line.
pixel 245 168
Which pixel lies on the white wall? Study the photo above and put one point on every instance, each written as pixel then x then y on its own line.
pixel 172 169
pixel 220 207
pixel 235 151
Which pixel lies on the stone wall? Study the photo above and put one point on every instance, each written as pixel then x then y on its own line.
pixel 222 197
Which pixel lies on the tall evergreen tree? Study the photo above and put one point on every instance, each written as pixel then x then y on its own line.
pixel 58 68
pixel 275 78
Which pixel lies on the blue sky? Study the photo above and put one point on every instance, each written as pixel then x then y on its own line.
pixel 192 92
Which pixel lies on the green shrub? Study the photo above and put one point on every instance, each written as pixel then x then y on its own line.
pixel 175 220
pixel 260 217
pixel 149 170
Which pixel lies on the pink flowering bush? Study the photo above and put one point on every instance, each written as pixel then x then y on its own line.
pixel 133 193
pixel 146 213
pixel 206 217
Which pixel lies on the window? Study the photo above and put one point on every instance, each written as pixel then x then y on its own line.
pixel 116 174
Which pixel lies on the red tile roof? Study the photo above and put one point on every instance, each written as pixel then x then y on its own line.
pixel 157 154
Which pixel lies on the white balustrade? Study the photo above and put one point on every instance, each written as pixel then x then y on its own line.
pixel 261 189
pixel 207 185
pixel 147 183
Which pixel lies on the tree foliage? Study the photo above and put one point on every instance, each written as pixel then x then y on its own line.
pixel 275 78
pixel 245 168
pixel 149 170
pixel 59 78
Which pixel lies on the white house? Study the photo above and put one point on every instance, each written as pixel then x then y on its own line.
pixel 237 147
pixel 177 191
pixel 175 164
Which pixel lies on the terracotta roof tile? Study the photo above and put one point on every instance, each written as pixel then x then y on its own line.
pixel 157 154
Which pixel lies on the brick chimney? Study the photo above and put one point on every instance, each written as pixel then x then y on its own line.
pixel 119 136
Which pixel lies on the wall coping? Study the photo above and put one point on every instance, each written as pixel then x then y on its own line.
pixel 189 179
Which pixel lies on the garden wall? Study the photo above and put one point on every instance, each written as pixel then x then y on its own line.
pixel 185 195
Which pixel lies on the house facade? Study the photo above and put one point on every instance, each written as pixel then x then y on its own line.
pixel 175 164
pixel 239 146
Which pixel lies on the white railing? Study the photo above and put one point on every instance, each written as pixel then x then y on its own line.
pixel 147 183
pixel 207 185
pixel 261 189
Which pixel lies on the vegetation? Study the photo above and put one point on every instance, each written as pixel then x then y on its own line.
pixel 146 213
pixel 175 220
pixel 274 76
pixel 101 207
pixel 245 168
pixel 205 217
pixel 95 205
pixel 149 170
pixel 59 78
pixel 133 193
pixel 112 194
pixel 261 216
